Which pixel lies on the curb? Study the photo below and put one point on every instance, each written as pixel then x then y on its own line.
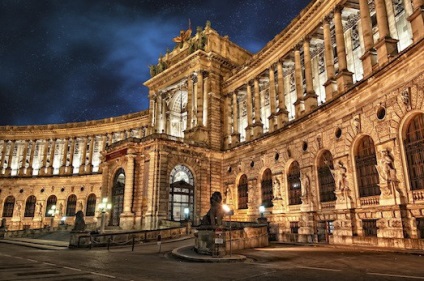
pixel 188 253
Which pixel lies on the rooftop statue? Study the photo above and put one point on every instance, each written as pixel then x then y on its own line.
pixel 184 36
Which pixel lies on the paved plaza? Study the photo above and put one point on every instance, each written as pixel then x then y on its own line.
pixel 276 262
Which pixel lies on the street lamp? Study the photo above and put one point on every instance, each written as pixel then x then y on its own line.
pixel 229 212
pixel 186 213
pixel 103 206
pixel 262 210
pixel 52 212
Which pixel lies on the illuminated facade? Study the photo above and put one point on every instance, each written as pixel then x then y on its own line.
pixel 324 127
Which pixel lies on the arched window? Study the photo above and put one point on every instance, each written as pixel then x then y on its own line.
pixel 325 177
pixel 293 180
pixel 117 197
pixel 181 194
pixel 71 205
pixel 9 205
pixel 366 171
pixel 30 206
pixel 414 149
pixel 242 192
pixel 91 205
pixel 266 188
pixel 52 200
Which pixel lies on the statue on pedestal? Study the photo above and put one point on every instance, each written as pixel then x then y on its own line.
pixel 216 213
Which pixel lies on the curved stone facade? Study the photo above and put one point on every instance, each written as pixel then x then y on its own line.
pixel 324 127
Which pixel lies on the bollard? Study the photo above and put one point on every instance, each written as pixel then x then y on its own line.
pixel 133 242
pixel 159 242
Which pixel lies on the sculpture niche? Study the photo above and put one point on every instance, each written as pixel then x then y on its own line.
pixel 215 214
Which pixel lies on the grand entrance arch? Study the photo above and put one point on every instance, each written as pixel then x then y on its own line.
pixel 117 197
pixel 181 193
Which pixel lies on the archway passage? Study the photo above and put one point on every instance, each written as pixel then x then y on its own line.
pixel 181 194
pixel 117 197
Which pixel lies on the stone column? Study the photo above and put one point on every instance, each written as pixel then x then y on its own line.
pixel 83 156
pixel 386 46
pixel 272 117
pixel 207 84
pixel 249 112
pixel 129 183
pixel 283 114
pixel 65 154
pixel 70 168
pixel 89 164
pixel 51 156
pixel 21 171
pixel 298 105
pixel 10 158
pixel 199 86
pixel 330 85
pixel 344 77
pixel 3 155
pixel 31 158
pixel 235 136
pixel 157 114
pixel 151 128
pixel 227 120
pixel 258 126
pixel 43 168
pixel 369 58
pixel 190 103
pixel 311 99
pixel 417 20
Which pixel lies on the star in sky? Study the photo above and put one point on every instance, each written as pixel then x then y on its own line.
pixel 76 60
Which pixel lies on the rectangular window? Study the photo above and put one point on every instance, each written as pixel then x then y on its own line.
pixel 294 227
pixel 420 228
pixel 370 227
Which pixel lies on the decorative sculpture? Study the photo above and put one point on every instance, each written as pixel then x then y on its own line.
pixel 79 222
pixel 215 214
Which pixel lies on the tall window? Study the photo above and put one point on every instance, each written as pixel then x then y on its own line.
pixel 30 206
pixel 242 193
pixel 9 205
pixel 117 197
pixel 52 200
pixel 266 187
pixel 71 205
pixel 325 178
pixel 181 194
pixel 366 171
pixel 414 149
pixel 91 205
pixel 293 179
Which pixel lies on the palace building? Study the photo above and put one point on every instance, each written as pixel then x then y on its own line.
pixel 323 127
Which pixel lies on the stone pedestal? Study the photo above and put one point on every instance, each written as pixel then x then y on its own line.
pixel 369 59
pixel 198 134
pixel 310 101
pixel 278 207
pixel 235 139
pixel 330 89
pixel 258 129
pixel 386 47
pixel 344 200
pixel 79 239
pixel 126 221
pixel 307 228
pixel 208 242
pixel 417 23
pixel 344 80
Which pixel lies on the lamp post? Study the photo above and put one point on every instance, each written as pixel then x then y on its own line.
pixel 262 210
pixel 186 213
pixel 52 212
pixel 103 206
pixel 229 212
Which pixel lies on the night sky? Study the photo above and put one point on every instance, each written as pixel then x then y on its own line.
pixel 77 60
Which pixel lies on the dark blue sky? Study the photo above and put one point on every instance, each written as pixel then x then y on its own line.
pixel 76 60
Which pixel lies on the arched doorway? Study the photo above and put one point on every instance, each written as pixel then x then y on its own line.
pixel 181 194
pixel 117 197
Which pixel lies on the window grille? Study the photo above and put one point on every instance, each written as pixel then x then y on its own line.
pixel 30 206
pixel 414 148
pixel 369 227
pixel 266 188
pixel 9 205
pixel 242 193
pixel 91 205
pixel 71 205
pixel 366 171
pixel 294 227
pixel 293 179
